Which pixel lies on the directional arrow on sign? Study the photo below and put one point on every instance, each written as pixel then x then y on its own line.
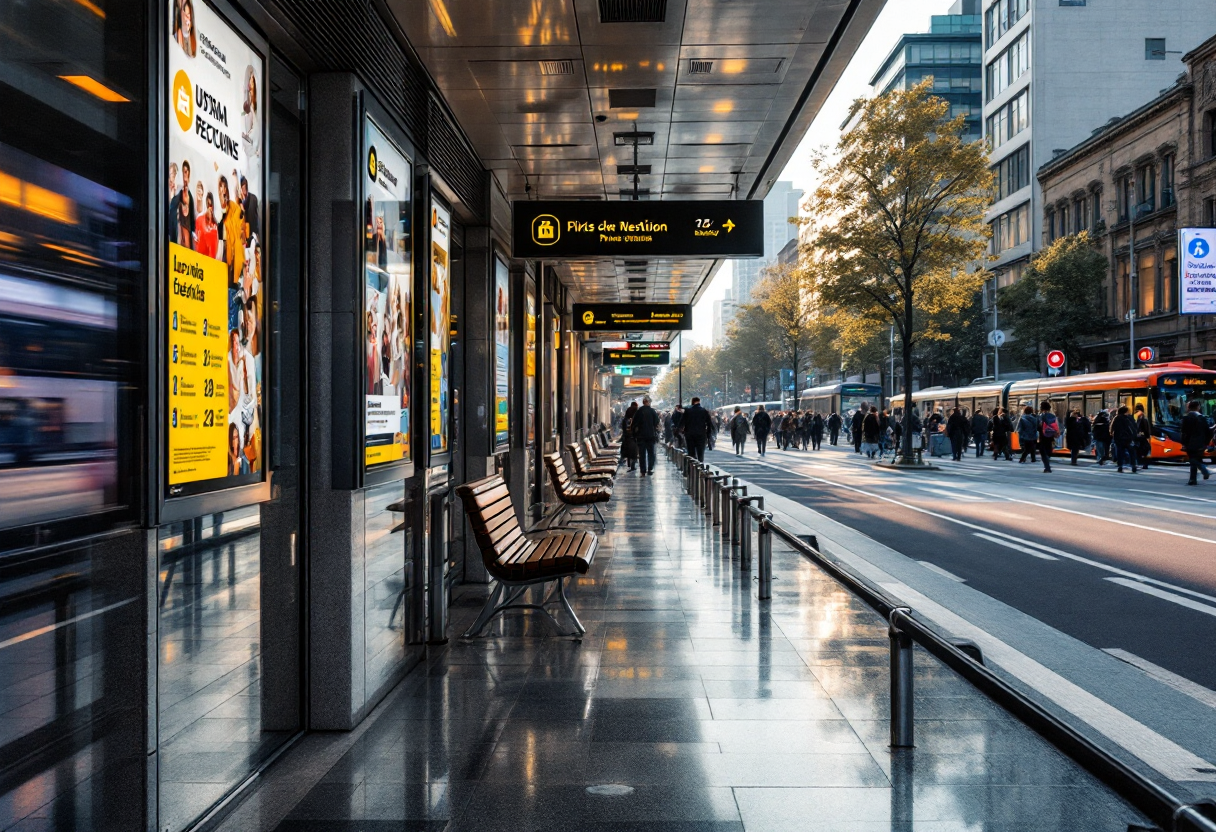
pixel 729 226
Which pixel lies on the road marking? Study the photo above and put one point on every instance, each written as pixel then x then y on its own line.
pixel 50 628
pixel 1179 683
pixel 1166 596
pixel 1010 515
pixel 1159 752
pixel 941 492
pixel 1092 496
pixel 1010 545
pixel 1186 497
pixel 933 567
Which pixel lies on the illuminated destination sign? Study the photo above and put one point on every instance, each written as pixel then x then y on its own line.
pixel 636 345
pixel 1187 381
pixel 637 358
pixel 638 381
pixel 681 228
pixel 644 316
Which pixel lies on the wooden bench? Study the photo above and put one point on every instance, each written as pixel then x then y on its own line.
pixel 516 561
pixel 590 471
pixel 596 451
pixel 573 493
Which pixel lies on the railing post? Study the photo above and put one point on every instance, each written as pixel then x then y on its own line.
pixel 707 491
pixel 745 532
pixel 901 682
pixel 764 536
pixel 716 492
pixel 737 494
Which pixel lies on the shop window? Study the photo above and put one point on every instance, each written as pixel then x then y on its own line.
pixel 1154 49
pixel 1169 280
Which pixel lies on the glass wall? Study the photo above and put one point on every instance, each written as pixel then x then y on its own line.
pixel 387 591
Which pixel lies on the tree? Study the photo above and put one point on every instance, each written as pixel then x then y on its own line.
pixel 748 351
pixel 700 377
pixel 1058 302
pixel 784 297
pixel 900 219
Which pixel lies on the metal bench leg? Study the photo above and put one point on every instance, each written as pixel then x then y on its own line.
pixel 561 594
pixel 600 517
pixel 487 612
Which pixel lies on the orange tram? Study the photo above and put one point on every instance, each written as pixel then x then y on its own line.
pixel 1165 390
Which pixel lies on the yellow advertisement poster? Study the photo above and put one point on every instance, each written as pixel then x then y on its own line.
pixel 198 381
pixel 440 333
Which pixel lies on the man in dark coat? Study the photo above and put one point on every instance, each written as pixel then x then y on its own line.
pixel 762 424
pixel 697 427
pixel 957 430
pixel 646 430
pixel 1076 433
pixel 979 431
pixel 858 417
pixel 1001 430
pixel 835 423
pixel 1196 436
pixel 1144 434
pixel 1123 431
pixel 1100 427
pixel 629 442
pixel 677 425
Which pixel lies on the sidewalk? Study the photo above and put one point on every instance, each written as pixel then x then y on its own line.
pixel 689 706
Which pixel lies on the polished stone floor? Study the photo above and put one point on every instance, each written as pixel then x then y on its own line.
pixel 689 705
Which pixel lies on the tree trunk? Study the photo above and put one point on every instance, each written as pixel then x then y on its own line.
pixel 906 455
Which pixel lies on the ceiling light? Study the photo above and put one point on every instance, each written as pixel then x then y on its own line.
pixel 733 66
pixel 445 19
pixel 640 139
pixel 724 107
pixel 94 87
pixel 705 169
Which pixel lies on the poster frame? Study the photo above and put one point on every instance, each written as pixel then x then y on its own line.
pixel 424 184
pixel 499 259
pixel 369 108
pixel 197 499
pixel 1180 255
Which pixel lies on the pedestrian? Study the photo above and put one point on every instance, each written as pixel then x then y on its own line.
pixel 870 429
pixel 1076 433
pixel 646 431
pixel 897 431
pixel 1002 428
pixel 739 430
pixel 979 431
pixel 1196 436
pixel 677 425
pixel 789 429
pixel 1100 429
pixel 957 430
pixel 1123 432
pixel 1028 434
pixel 629 442
pixel 762 423
pixel 816 432
pixel 1049 431
pixel 859 416
pixel 696 426
pixel 834 425
pixel 1144 436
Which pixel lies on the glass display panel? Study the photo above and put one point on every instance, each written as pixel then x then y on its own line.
pixel 502 352
pixel 440 337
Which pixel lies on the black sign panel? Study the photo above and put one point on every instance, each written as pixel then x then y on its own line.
pixel 612 317
pixel 637 358
pixel 683 228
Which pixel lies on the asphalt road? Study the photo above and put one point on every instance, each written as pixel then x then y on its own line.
pixel 1122 562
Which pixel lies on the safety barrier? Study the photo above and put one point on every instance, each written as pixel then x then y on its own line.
pixel 726 500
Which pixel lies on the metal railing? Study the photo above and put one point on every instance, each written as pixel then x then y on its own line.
pixel 737 510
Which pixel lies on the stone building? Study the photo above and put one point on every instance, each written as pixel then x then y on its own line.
pixel 1141 177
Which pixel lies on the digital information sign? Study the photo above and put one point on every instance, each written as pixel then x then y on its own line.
pixel 680 228
pixel 636 345
pixel 601 317
pixel 1197 283
pixel 637 358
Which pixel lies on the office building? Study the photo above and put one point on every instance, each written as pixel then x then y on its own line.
pixel 779 206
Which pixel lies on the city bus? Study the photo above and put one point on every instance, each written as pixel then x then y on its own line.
pixel 1164 390
pixel 843 398
pixel 750 408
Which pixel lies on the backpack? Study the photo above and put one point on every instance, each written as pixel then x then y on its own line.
pixel 1051 426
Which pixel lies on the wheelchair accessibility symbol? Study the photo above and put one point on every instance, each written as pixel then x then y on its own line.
pixel 1199 248
pixel 546 230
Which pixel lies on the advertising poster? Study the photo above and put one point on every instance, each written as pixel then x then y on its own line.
pixel 502 351
pixel 387 318
pixel 530 365
pixel 1197 283
pixel 440 338
pixel 216 253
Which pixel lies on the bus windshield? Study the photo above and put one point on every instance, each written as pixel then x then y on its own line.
pixel 1172 403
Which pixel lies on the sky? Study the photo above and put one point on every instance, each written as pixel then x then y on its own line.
pixel 897 18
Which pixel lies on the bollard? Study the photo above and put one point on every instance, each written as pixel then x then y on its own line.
pixel 901 682
pixel 727 513
pixel 716 493
pixel 745 532
pixel 764 536
pixel 707 487
pixel 734 511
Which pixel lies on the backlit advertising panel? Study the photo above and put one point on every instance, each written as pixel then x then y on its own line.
pixel 216 345
pixel 440 336
pixel 502 352
pixel 530 365
pixel 1197 272
pixel 387 313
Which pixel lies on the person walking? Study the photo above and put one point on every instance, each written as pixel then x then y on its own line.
pixel 696 426
pixel 1144 436
pixel 979 431
pixel 859 416
pixel 957 430
pixel 629 442
pixel 646 431
pixel 762 424
pixel 1028 434
pixel 999 430
pixel 1123 432
pixel 739 430
pixel 816 432
pixel 1076 433
pixel 677 425
pixel 1049 430
pixel 1100 429
pixel 1196 436
pixel 871 427
pixel 834 425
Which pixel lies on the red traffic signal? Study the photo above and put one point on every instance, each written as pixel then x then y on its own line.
pixel 1055 359
pixel 1146 355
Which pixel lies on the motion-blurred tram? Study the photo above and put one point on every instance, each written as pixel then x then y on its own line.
pixel 1164 390
pixel 843 398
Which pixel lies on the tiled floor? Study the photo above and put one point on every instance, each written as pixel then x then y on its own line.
pixel 688 706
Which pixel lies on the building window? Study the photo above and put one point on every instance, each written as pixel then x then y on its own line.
pixel 1049 224
pixel 1127 197
pixel 1154 49
pixel 1012 173
pixel 1062 214
pixel 1095 200
pixel 1008 66
pixel 1167 180
pixel 1009 120
pixel 1146 283
pixel 1078 215
pixel 1122 288
pixel 1169 280
pixel 1072 2
pixel 1146 191
pixel 1001 16
pixel 1011 228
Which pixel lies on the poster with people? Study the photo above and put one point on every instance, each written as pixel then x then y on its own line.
pixel 440 336
pixel 387 314
pixel 530 365
pixel 214 223
pixel 502 352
